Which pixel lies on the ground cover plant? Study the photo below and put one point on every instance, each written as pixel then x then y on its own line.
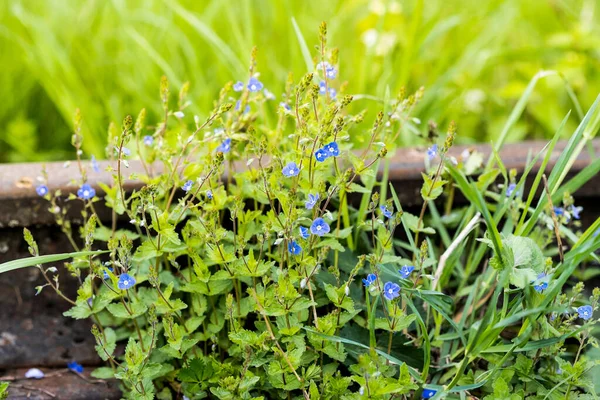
pixel 475 57
pixel 271 260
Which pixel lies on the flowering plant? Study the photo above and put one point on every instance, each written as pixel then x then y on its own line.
pixel 269 259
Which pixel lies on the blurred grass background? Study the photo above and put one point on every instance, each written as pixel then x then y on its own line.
pixel 474 57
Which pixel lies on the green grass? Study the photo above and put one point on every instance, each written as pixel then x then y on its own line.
pixel 474 57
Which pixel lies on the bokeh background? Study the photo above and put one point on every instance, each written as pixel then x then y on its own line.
pixel 106 57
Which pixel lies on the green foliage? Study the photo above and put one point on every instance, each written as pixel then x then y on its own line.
pixel 476 56
pixel 216 291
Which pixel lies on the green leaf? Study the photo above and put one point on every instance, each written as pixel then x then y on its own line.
pixel 431 190
pixel 137 308
pixel 34 261
pixel 103 373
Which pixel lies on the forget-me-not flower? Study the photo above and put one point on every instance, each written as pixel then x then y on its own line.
pixel 294 248
pixel 585 312
pixel 238 86
pixel 126 281
pixel 285 105
pixel 126 152
pixel 95 165
pixel 432 152
pixel 209 194
pixel 428 393
pixel 86 192
pixel 332 149
pixel 148 140
pixel 321 155
pixel 559 211
pixel 254 85
pixel 385 211
pixel 41 190
pixel 541 283
pixel 406 270
pixel 225 147
pixel 575 212
pixel 391 290
pixel 322 87
pixel 75 367
pixel 291 169
pixel 330 72
pixel 312 201
pixel 304 233
pixel 371 278
pixel 510 189
pixel 187 186
pixel 106 276
pixel 319 227
pixel 332 93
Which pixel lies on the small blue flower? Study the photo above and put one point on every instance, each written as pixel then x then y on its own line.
pixel 304 233
pixel 126 152
pixel 559 211
pixel 428 393
pixel 330 72
pixel 575 212
pixel 321 155
pixel 332 149
pixel 238 86
pixel 95 165
pixel 291 169
pixel 540 287
pixel 41 190
pixel 238 104
pixel 225 147
pixel 332 93
pixel 126 281
pixel 86 192
pixel 319 227
pixel 385 211
pixel 510 189
pixel 432 152
pixel 322 87
pixel 406 270
pixel 391 290
pixel 254 85
pixel 187 186
pixel 294 248
pixel 106 276
pixel 285 105
pixel 371 278
pixel 75 367
pixel 148 140
pixel 209 194
pixel 585 312
pixel 312 201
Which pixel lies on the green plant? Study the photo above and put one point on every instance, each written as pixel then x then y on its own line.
pixel 246 272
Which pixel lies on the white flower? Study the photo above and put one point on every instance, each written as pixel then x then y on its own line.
pixel 34 373
pixel 347 290
pixel 303 283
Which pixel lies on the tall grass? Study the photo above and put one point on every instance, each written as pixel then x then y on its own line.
pixel 475 58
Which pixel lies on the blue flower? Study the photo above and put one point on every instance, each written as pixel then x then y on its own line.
pixel 75 367
pixel 209 194
pixel 385 211
pixel 332 149
pixel 86 192
pixel 428 393
pixel 406 270
pixel 126 281
pixel 575 212
pixel 106 276
pixel 225 147
pixel 304 232
pixel 510 189
pixel 126 152
pixel 371 278
pixel 585 312
pixel 95 165
pixel 42 190
pixel 559 211
pixel 291 169
pixel 330 72
pixel 285 105
pixel 238 86
pixel 294 248
pixel 312 201
pixel 254 85
pixel 322 87
pixel 332 92
pixel 148 140
pixel 238 104
pixel 319 227
pixel 187 186
pixel 321 155
pixel 540 287
pixel 391 290
pixel 432 152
